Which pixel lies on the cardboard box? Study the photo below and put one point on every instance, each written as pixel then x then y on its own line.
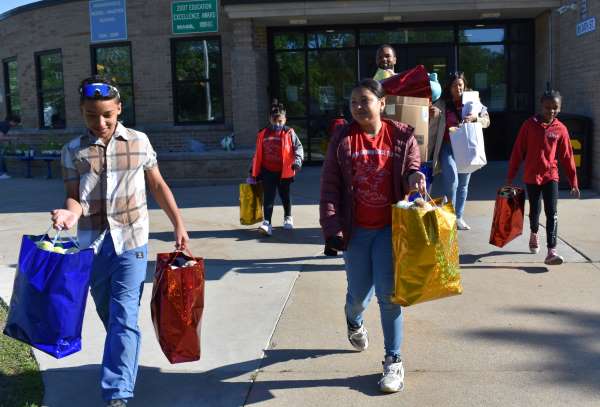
pixel 412 111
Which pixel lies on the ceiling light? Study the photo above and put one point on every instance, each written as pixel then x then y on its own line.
pixel 298 21
pixel 392 18
pixel 490 15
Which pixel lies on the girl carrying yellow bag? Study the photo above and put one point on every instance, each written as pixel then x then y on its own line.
pixel 425 245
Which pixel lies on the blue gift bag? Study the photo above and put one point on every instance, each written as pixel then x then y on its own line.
pixel 427 169
pixel 49 297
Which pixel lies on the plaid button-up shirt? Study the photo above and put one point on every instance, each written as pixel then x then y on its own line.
pixel 112 189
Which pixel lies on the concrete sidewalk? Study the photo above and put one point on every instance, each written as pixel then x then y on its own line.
pixel 522 334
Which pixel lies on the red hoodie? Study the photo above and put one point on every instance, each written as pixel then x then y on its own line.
pixel 539 145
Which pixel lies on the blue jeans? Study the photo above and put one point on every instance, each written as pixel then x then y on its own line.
pixel 116 286
pixel 455 186
pixel 369 270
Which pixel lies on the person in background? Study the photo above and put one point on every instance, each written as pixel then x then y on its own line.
pixel 277 158
pixel 370 165
pixel 455 186
pixel 5 126
pixel 543 140
pixel 386 61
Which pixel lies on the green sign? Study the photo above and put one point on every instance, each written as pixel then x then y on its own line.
pixel 195 16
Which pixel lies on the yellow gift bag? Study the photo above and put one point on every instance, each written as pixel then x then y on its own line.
pixel 425 244
pixel 251 203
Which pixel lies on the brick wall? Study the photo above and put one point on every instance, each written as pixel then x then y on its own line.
pixel 66 27
pixel 577 74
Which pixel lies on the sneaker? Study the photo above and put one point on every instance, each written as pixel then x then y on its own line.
pixel 462 225
pixel 359 337
pixel 266 228
pixel 288 223
pixel 117 403
pixel 534 244
pixel 553 259
pixel 5 176
pixel 393 375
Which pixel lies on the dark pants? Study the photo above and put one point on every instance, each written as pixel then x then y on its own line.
pixel 549 192
pixel 272 183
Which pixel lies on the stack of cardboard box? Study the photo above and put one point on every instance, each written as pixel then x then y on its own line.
pixel 414 112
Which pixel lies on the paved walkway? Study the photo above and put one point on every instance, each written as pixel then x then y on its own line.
pixel 522 334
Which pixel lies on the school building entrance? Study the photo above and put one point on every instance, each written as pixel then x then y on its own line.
pixel 313 70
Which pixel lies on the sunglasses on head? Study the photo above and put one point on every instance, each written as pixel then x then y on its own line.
pixel 456 74
pixel 98 90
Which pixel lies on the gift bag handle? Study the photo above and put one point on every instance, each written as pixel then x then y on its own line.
pixel 176 253
pixel 57 236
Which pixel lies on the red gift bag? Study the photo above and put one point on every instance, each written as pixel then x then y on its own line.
pixel 177 305
pixel 508 215
pixel 413 82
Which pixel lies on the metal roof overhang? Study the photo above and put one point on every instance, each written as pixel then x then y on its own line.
pixel 374 11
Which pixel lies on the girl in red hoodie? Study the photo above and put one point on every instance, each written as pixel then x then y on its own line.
pixel 541 141
pixel 278 156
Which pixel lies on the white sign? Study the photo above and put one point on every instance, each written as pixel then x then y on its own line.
pixel 586 26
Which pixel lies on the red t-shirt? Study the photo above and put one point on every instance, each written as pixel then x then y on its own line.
pixel 372 176
pixel 452 120
pixel 272 158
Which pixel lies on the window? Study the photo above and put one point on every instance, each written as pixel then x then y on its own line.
pixel 481 35
pixel 331 39
pixel 11 88
pixel 197 80
pixel 50 89
pixel 485 70
pixel 114 62
pixel 407 36
pixel 288 40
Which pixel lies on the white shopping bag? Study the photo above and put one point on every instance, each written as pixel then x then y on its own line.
pixel 468 147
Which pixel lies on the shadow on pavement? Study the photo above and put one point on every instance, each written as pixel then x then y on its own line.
pixel 223 386
pixel 526 269
pixel 576 355
pixel 296 236
pixel 215 269
pixel 476 258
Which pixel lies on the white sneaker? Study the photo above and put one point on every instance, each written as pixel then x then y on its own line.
pixel 266 228
pixel 462 225
pixel 5 176
pixel 393 375
pixel 359 338
pixel 288 223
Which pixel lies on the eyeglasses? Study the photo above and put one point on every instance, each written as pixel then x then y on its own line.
pixel 98 90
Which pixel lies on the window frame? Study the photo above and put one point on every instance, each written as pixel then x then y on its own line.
pixel 175 82
pixel 8 96
pixel 94 68
pixel 39 90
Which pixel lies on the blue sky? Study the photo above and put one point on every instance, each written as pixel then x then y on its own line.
pixel 6 5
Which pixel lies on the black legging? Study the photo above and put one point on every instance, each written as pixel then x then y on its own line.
pixel 272 182
pixel 549 191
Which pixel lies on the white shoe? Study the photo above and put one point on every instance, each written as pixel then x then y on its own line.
pixel 5 176
pixel 393 375
pixel 462 225
pixel 288 223
pixel 359 338
pixel 266 228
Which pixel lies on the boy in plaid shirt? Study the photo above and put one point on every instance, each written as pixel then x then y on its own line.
pixel 105 171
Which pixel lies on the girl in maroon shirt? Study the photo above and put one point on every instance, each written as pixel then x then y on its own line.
pixel 541 140
pixel 371 163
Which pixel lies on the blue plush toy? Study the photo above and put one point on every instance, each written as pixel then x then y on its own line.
pixel 436 88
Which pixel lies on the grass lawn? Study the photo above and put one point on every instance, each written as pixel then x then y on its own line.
pixel 20 379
